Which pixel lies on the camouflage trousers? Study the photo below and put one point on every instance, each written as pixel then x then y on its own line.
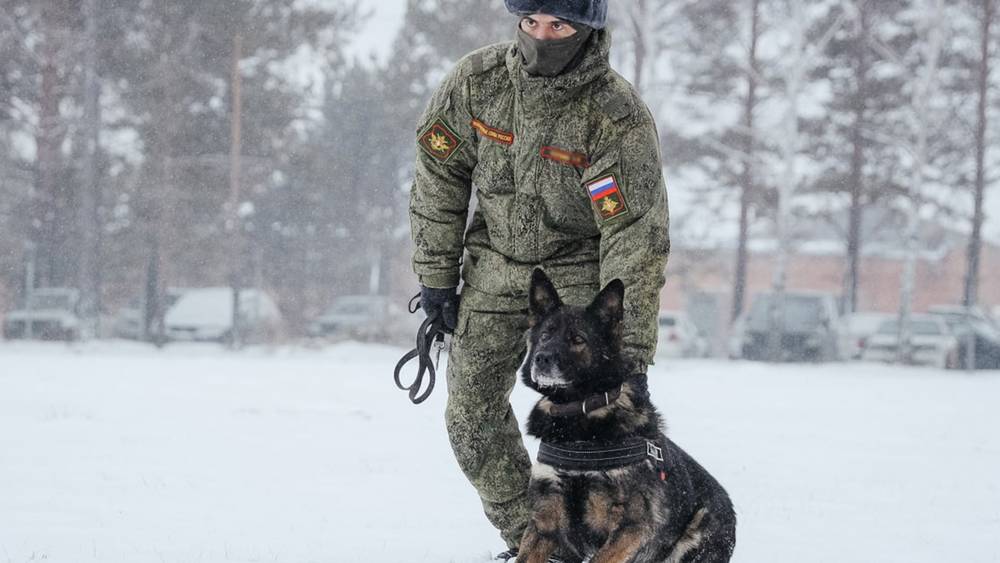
pixel 486 350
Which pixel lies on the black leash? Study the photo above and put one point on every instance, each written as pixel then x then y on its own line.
pixel 431 332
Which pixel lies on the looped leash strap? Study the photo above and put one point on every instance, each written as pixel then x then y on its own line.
pixel 431 330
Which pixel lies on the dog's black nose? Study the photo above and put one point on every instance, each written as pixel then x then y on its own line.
pixel 543 360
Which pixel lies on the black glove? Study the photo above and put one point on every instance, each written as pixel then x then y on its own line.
pixel 443 302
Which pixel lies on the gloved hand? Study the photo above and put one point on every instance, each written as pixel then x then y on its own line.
pixel 443 302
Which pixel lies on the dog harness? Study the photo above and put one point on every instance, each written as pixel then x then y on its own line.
pixel 590 456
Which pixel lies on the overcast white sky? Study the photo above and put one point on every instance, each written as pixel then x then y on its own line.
pixel 378 32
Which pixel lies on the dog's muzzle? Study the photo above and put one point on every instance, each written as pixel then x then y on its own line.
pixel 545 371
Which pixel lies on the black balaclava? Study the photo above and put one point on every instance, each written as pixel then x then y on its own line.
pixel 553 57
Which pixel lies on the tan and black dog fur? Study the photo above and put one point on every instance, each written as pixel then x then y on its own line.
pixel 628 515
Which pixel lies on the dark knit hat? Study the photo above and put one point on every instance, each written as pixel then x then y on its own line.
pixel 593 13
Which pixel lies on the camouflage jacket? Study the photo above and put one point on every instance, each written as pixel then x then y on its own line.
pixel 567 176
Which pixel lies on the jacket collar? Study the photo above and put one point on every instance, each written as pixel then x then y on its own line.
pixel 539 94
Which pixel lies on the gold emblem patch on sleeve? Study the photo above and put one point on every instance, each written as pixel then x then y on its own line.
pixel 439 141
pixel 607 197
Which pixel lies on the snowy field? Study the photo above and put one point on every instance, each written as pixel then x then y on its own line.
pixel 118 453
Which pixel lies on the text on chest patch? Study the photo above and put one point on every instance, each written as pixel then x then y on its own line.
pixel 498 135
pixel 561 156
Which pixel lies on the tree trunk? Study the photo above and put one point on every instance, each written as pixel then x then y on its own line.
pixel 234 223
pixel 88 281
pixel 857 163
pixel 921 102
pixel 640 16
pixel 49 139
pixel 746 178
pixel 789 180
pixel 971 296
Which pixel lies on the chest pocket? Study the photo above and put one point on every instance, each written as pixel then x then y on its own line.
pixel 494 173
pixel 496 143
pixel 562 166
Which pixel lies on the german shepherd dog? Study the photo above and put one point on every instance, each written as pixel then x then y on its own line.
pixel 609 486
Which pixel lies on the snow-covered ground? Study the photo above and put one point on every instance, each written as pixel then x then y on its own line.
pixel 119 453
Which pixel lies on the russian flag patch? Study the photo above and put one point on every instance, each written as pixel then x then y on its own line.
pixel 606 197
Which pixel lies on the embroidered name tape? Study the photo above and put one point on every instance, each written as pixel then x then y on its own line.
pixel 606 197
pixel 439 141
pixel 493 133
pixel 575 159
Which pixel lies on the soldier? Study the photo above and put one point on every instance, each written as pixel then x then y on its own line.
pixel 564 160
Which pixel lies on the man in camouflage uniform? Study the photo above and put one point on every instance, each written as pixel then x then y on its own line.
pixel 564 159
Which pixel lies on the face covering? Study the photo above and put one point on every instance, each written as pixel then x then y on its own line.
pixel 553 56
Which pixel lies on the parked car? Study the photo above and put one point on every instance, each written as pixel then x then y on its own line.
pixel 362 317
pixel 954 312
pixel 49 314
pixel 679 337
pixel 128 322
pixel 856 329
pixel 809 325
pixel 965 323
pixel 932 342
pixel 206 315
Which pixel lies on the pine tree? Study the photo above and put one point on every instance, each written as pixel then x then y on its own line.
pixel 177 68
pixel 853 163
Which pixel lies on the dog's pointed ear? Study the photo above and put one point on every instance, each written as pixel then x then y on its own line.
pixel 542 297
pixel 608 306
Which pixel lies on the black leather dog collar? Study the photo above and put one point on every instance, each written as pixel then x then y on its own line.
pixel 590 404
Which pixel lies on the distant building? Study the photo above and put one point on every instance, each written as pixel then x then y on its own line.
pixel 702 278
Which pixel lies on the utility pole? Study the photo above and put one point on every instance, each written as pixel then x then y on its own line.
pixel 31 252
pixel 233 225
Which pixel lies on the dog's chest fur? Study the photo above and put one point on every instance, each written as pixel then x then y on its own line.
pixel 593 504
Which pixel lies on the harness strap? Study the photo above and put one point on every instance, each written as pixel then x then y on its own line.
pixel 588 456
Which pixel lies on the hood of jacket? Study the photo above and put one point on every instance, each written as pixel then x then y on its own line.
pixel 539 93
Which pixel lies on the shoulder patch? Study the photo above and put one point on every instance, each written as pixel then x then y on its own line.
pixel 439 141
pixel 476 62
pixel 616 105
pixel 486 58
pixel 606 197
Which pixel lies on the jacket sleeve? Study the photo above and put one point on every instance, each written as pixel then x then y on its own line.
pixel 442 186
pixel 634 227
